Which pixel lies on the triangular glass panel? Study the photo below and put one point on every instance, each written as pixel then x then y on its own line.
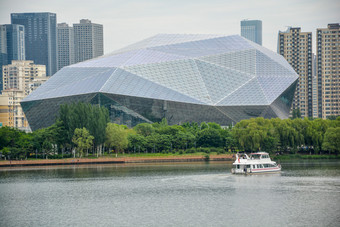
pixel 248 94
pixel 72 81
pixel 265 66
pixel 220 81
pixel 146 56
pixel 274 86
pixel 127 83
pixel 243 61
pixel 181 76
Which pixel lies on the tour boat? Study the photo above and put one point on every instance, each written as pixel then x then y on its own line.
pixel 258 162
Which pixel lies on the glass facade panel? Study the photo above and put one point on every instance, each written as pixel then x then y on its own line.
pixel 243 61
pixel 249 94
pixel 220 86
pixel 265 66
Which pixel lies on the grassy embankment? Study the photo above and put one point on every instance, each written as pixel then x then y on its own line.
pixel 305 157
pixel 144 155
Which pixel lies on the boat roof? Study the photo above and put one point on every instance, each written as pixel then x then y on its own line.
pixel 261 152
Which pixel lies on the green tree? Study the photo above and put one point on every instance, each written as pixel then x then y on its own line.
pixel 137 142
pixel 82 139
pixel 144 129
pixel 296 113
pixel 209 137
pixel 79 115
pixel 116 137
pixel 331 141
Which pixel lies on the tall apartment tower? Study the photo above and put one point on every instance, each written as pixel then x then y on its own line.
pixel 65 45
pixel 40 38
pixel 296 47
pixel 20 79
pixel 12 45
pixel 328 70
pixel 252 30
pixel 88 40
pixel 314 88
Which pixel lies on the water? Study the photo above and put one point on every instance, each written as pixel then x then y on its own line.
pixel 185 194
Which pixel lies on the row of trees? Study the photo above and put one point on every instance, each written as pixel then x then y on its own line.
pixel 84 128
pixel 288 135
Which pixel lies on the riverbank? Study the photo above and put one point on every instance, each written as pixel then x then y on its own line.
pixel 304 157
pixel 119 160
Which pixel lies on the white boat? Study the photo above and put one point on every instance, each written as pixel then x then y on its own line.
pixel 258 162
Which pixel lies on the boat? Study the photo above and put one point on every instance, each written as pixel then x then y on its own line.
pixel 258 162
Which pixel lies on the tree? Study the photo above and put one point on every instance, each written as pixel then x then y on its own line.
pixel 137 142
pixel 116 137
pixel 296 113
pixel 331 141
pixel 144 129
pixel 209 137
pixel 82 139
pixel 79 115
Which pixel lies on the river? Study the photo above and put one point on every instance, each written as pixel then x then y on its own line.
pixel 170 194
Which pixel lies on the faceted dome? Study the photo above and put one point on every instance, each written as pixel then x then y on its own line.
pixel 198 78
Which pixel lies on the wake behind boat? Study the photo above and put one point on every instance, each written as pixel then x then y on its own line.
pixel 258 162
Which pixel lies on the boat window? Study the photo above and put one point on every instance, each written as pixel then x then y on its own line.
pixel 254 167
pixel 258 166
pixel 255 156
pixel 237 166
pixel 248 166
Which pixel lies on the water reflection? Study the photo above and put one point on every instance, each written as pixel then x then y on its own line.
pixel 168 194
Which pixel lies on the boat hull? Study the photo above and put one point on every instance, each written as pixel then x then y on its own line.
pixel 250 171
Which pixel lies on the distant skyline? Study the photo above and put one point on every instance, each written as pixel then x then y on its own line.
pixel 129 21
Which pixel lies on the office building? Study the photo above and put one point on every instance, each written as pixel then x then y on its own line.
pixel 65 45
pixel 40 38
pixel 252 30
pixel 296 47
pixel 20 78
pixel 328 70
pixel 88 40
pixel 12 45
pixel 3 51
pixel 15 42
pixel 183 78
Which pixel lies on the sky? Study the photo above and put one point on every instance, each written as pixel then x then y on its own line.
pixel 128 21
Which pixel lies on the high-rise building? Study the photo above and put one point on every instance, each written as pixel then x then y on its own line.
pixel 296 47
pixel 65 45
pixel 15 42
pixel 12 45
pixel 252 30
pixel 315 88
pixel 3 51
pixel 20 74
pixel 328 70
pixel 88 40
pixel 40 38
pixel 20 79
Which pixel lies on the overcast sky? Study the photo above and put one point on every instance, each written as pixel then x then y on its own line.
pixel 129 21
